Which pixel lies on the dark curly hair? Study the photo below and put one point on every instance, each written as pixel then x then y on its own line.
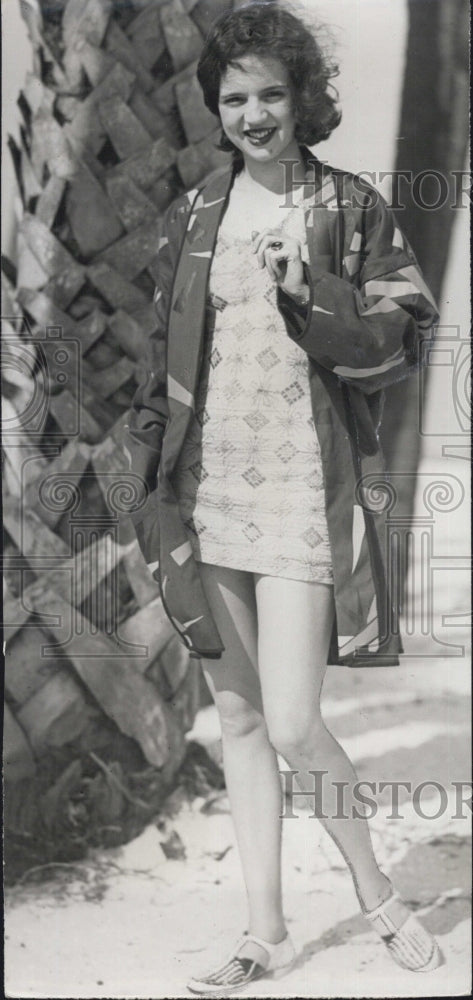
pixel 268 30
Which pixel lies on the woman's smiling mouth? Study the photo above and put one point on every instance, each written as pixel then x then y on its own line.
pixel 259 136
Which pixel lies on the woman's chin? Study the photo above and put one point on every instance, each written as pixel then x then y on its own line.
pixel 272 152
pixel 261 154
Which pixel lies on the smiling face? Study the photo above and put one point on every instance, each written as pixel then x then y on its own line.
pixel 256 108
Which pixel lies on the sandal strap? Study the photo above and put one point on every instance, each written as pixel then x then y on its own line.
pixel 388 918
pixel 408 942
pixel 237 970
pixel 234 973
pixel 267 945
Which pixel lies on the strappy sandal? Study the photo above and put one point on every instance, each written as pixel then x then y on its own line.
pixel 251 958
pixel 408 942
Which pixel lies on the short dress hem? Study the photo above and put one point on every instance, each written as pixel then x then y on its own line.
pixel 224 558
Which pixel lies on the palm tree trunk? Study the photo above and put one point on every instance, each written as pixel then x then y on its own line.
pixel 114 127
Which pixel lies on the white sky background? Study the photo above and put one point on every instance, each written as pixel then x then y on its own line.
pixel 369 44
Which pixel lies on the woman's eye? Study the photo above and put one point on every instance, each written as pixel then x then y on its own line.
pixel 233 100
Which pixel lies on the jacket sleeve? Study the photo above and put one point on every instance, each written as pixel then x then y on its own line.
pixel 143 434
pixel 367 328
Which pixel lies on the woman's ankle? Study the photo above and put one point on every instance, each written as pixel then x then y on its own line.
pixel 374 895
pixel 273 933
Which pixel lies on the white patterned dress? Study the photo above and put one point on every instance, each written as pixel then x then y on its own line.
pixel 249 476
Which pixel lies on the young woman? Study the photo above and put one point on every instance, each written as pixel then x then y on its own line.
pixel 288 298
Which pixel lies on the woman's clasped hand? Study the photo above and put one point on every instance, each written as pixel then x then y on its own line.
pixel 283 260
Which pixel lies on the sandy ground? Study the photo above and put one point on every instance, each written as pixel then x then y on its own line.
pixel 130 923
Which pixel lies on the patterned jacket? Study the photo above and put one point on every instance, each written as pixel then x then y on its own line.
pixel 369 309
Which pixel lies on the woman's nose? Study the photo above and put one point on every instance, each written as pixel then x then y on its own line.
pixel 255 112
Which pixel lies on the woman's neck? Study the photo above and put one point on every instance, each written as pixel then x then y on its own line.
pixel 279 176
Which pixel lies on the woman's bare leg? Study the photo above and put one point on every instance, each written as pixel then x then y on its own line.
pixel 250 762
pixel 295 622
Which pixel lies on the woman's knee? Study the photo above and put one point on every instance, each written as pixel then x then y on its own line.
pixel 238 717
pixel 294 734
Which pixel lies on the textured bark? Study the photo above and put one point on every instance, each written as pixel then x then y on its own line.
pixel 108 111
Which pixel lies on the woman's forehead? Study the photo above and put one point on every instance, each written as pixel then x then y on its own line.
pixel 253 72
